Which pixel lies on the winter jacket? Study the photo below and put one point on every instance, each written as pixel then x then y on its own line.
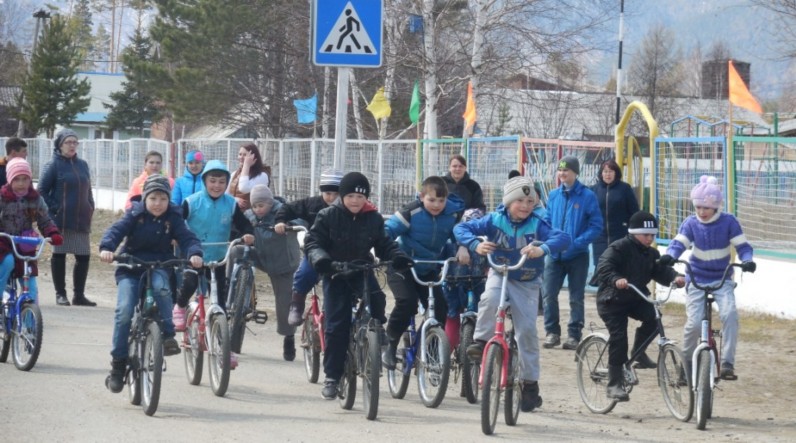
pixel 186 186
pixel 278 254
pixel 149 237
pixel 305 209
pixel 511 237
pixel 575 212
pixel 422 235
pixel 137 188
pixel 65 186
pixel 17 214
pixel 468 190
pixel 628 258
pixel 617 203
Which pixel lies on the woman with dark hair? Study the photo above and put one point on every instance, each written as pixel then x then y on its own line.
pixel 460 183
pixel 617 203
pixel 251 171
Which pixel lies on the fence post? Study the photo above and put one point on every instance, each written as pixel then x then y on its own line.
pixel 281 167
pixel 114 169
pixel 313 166
pixel 380 167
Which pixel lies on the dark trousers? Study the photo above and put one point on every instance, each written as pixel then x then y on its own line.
pixel 407 292
pixel 190 282
pixel 615 316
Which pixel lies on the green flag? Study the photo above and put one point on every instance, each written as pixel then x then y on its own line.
pixel 414 106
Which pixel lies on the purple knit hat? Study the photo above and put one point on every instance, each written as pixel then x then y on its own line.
pixel 707 193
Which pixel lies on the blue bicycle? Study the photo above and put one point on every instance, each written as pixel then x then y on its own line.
pixel 21 325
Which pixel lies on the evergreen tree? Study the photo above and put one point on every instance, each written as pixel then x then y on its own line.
pixel 100 53
pixel 81 26
pixel 53 95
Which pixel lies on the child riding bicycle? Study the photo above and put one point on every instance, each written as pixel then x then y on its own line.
pixel 147 230
pixel 346 231
pixel 710 233
pixel 632 259
pixel 511 230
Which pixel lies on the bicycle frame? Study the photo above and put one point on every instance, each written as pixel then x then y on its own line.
pixel 430 320
pixel 660 333
pixel 317 316
pixel 15 302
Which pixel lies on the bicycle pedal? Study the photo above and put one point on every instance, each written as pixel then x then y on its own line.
pixel 260 317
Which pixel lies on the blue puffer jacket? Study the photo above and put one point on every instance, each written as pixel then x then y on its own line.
pixel 65 186
pixel 575 211
pixel 186 186
pixel 512 237
pixel 422 235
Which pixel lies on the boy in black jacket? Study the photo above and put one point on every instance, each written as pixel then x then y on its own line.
pixel 632 259
pixel 343 232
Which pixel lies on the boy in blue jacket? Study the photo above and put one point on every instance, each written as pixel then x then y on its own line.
pixel 511 231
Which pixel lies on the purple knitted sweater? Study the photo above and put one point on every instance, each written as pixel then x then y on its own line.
pixel 710 242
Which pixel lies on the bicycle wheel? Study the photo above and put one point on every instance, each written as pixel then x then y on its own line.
pixel 673 382
pixel 244 281
pixel 5 347
pixel 192 349
pixel 470 369
pixel 26 337
pixel 432 376
pixel 151 369
pixel 398 378
pixel 311 344
pixel 218 360
pixel 347 389
pixel 592 373
pixel 513 396
pixel 133 364
pixel 703 390
pixel 371 351
pixel 490 398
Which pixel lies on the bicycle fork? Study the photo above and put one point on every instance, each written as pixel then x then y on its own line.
pixel 706 342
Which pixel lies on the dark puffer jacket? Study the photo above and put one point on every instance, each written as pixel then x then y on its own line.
pixel 305 209
pixel 66 188
pixel 468 190
pixel 617 204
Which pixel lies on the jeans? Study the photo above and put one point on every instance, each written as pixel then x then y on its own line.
pixel 575 270
pixel 695 311
pixel 304 278
pixel 7 267
pixel 126 300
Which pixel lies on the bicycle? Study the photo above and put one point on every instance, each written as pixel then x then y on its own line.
pixel 241 297
pixel 706 359
pixel 462 365
pixel 196 340
pixel 145 362
pixel 591 356
pixel 21 326
pixel 433 366
pixel 363 358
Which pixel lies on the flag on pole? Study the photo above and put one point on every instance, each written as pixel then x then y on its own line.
pixel 414 105
pixel 469 111
pixel 306 109
pixel 739 93
pixel 379 106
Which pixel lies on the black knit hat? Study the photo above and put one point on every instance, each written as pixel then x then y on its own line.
pixel 643 222
pixel 354 182
pixel 571 163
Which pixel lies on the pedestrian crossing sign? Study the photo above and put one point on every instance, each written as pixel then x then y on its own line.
pixel 347 33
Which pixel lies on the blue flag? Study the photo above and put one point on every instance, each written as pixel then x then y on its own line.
pixel 306 109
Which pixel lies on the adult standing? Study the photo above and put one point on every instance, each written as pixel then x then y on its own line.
pixel 251 172
pixel 66 187
pixel 572 208
pixel 460 183
pixel 153 164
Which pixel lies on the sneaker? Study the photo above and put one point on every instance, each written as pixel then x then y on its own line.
pixel 476 350
pixel 728 372
pixel 170 347
pixel 551 341
pixel 115 381
pixel 571 344
pixel 530 396
pixel 295 316
pixel 81 300
pixel 329 391
pixel 289 348
pixel 178 316
pixel 643 361
pixel 233 360
pixel 61 300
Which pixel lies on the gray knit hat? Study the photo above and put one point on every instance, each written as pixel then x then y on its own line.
pixel 330 180
pixel 156 183
pixel 571 163
pixel 517 188
pixel 63 135
pixel 261 194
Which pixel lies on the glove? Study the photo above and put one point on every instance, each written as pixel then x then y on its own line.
pixel 58 240
pixel 667 260
pixel 402 262
pixel 749 266
pixel 323 266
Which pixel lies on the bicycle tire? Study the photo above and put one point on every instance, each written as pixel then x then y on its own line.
pixel 5 347
pixel 371 350
pixel 310 343
pixel 490 395
pixel 592 374
pixel 470 369
pixel 26 337
pixel 679 398
pixel 703 391
pixel 218 358
pixel 398 378
pixel 192 349
pixel 151 369
pixel 133 363
pixel 347 389
pixel 432 376
pixel 513 396
pixel 244 281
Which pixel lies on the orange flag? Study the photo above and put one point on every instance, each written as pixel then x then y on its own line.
pixel 469 111
pixel 739 93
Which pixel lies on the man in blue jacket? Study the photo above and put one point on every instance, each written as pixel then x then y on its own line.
pixel 571 208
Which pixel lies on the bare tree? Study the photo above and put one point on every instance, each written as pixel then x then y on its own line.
pixel 655 72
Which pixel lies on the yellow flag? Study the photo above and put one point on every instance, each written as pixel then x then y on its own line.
pixel 380 106
pixel 739 93
pixel 469 111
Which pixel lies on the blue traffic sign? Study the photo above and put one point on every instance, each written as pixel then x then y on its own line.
pixel 347 33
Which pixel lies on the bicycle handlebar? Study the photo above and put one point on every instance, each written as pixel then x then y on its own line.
pixel 217 263
pixel 709 289
pixel 504 267
pixel 34 241
pixel 348 267
pixel 651 300
pixel 445 265
pixel 135 262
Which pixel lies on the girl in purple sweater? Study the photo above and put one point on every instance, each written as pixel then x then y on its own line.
pixel 709 233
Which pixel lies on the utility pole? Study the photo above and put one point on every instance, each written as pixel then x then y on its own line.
pixel 39 15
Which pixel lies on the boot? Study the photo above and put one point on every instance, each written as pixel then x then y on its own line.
pixel 58 269
pixel 115 380
pixel 295 316
pixel 614 389
pixel 388 356
pixel 642 361
pixel 289 348
pixel 530 398
pixel 79 275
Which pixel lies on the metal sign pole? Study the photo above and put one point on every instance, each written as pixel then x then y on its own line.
pixel 341 118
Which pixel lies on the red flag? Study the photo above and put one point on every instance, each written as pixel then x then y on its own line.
pixel 469 111
pixel 739 93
